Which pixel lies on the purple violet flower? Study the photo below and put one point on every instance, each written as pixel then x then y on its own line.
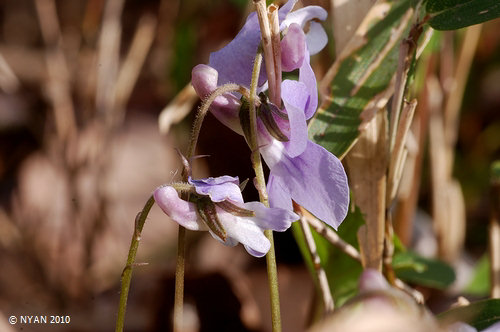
pixel 300 169
pixel 241 222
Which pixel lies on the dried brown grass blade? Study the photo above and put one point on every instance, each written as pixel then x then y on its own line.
pixel 58 81
pixel 367 164
pixel 129 71
pixel 346 16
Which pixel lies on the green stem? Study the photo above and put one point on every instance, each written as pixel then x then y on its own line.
pixel 272 272
pixel 127 271
pixel 179 279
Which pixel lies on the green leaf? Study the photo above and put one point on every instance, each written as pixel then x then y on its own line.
pixel 456 14
pixel 342 271
pixel 363 71
pixel 479 314
pixel 422 271
pixel 480 283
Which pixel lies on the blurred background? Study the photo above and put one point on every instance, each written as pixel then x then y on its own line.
pixel 86 136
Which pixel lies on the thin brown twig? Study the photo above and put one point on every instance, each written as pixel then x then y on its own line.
pixel 330 235
pixel 129 71
pixel 324 287
pixel 58 73
pixel 495 232
pixel 108 57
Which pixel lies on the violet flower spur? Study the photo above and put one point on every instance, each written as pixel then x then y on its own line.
pixel 219 200
pixel 300 170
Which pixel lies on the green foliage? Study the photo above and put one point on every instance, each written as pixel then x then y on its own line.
pixel 456 14
pixel 335 126
pixel 342 271
pixel 480 283
pixel 479 314
pixel 183 62
pixel 422 271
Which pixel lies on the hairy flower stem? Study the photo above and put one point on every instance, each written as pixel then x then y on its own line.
pixel 181 239
pixel 181 236
pixel 127 271
pixel 272 272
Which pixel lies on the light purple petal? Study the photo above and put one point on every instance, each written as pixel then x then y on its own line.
pixel 276 219
pixel 306 76
pixel 316 41
pixel 493 328
pixel 316 38
pixel 245 231
pixel 182 212
pixel 226 107
pixel 372 280
pixel 295 98
pixel 293 47
pixel 278 193
pixel 460 327
pixel 316 180
pixel 234 62
pixel 303 15
pixel 219 189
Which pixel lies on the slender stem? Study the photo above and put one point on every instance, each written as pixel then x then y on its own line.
pixel 272 272
pixel 204 108
pixel 127 271
pixel 179 279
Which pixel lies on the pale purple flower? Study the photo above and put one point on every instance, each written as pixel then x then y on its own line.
pixel 463 327
pixel 245 229
pixel 300 169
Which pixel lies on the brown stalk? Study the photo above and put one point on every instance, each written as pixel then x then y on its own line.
pixel 58 81
pixel 329 234
pixel 346 17
pixel 367 164
pixel 129 71
pixel 494 237
pixel 108 58
pixel 324 287
pixel 178 108
pixel 267 47
pixel 448 201
pixel 9 82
